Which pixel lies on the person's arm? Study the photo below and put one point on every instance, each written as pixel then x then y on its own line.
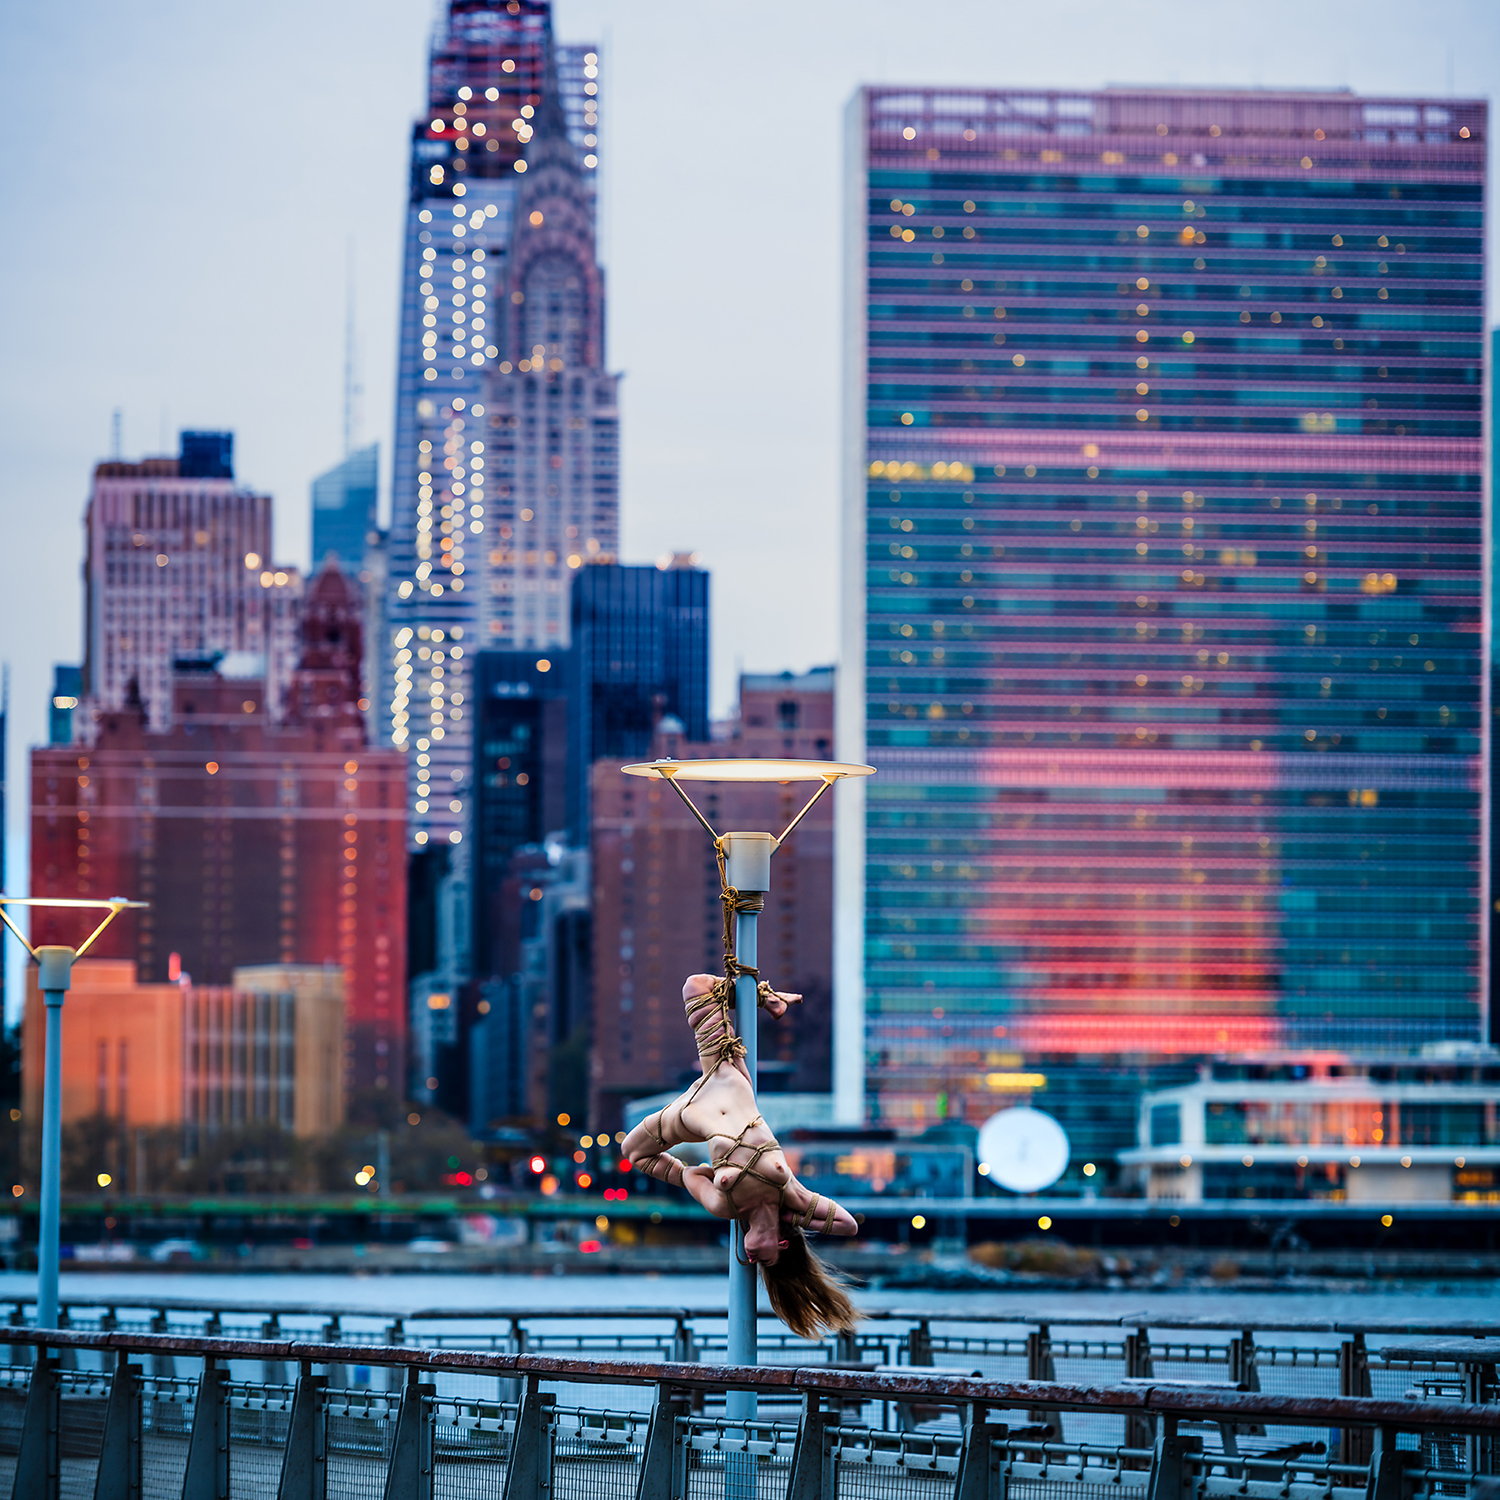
pixel 699 1181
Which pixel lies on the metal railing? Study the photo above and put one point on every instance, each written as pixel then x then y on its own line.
pixel 109 1428
pixel 1292 1357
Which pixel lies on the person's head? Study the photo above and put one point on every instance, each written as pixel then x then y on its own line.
pixel 805 1294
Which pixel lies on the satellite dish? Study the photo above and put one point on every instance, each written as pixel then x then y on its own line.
pixel 1025 1149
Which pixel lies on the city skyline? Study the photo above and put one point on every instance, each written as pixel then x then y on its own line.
pixel 149 355
pixel 370 83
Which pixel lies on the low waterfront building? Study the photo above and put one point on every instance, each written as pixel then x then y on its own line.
pixel 1380 1127
pixel 264 1049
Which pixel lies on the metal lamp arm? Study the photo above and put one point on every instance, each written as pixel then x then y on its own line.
pixel 828 781
pixel 5 917
pixel 671 781
pixel 88 942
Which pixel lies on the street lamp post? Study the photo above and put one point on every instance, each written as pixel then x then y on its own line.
pixel 746 874
pixel 54 973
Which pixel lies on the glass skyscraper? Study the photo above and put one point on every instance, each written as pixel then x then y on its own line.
pixel 490 62
pixel 1164 605
pixel 343 510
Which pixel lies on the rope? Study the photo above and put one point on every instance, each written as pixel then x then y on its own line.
pixel 737 903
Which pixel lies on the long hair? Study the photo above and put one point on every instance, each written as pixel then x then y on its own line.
pixel 805 1293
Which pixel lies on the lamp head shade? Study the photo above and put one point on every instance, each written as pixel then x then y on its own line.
pixel 747 769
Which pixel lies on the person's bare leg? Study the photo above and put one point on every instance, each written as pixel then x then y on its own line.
pixel 646 1150
pixel 709 1000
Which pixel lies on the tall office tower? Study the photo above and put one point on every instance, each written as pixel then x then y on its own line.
pixel 178 564
pixel 553 409
pixel 344 510
pixel 257 837
pixel 1164 610
pixel 345 527
pixel 521 710
pixel 490 63
pixel 639 654
pixel 657 916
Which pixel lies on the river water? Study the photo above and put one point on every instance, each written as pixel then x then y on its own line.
pixel 1374 1302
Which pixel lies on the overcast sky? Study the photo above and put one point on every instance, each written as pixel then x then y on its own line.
pixel 184 178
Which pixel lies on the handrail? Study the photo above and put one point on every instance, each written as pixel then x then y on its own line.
pixel 1181 1403
pixel 1474 1328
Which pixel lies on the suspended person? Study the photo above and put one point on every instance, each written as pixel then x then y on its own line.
pixel 747 1177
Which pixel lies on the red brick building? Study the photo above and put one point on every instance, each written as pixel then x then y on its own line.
pixel 656 902
pixel 257 838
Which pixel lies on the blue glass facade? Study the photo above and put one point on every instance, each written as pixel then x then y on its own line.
pixel 343 510
pixel 1168 495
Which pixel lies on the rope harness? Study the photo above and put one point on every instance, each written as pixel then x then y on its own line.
pixel 712 1018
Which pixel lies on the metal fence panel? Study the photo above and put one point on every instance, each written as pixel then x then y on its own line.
pixel 167 1408
pixel 83 1396
pixel 471 1446
pixel 259 1423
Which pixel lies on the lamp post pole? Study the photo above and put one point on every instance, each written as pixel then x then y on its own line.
pixel 746 878
pixel 747 870
pixel 54 970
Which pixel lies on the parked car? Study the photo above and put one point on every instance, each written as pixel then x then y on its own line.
pixel 175 1252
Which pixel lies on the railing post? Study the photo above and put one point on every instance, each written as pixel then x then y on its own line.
pixel 20 1354
pixel 919 1343
pixel 67 1359
pixel 39 1459
pixel 1040 1365
pixel 1354 1443
pixel 340 1375
pixel 162 1364
pixel 684 1351
pixel 984 1469
pixel 1039 1362
pixel 1389 1465
pixel 410 1475
pixel 1242 1366
pixel 659 1468
pixel 529 1473
pixel 119 1473
pixel 1245 1374
pixel 1170 1471
pixel 1138 1366
pixel 395 1334
pixel 304 1466
pixel 273 1371
pixel 207 1474
pixel 812 1476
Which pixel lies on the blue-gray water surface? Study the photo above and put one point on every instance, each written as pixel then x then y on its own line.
pixel 1373 1302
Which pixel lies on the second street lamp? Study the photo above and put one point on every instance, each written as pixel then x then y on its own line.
pixel 54 973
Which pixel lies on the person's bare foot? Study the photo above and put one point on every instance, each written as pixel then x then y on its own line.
pixel 775 1002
